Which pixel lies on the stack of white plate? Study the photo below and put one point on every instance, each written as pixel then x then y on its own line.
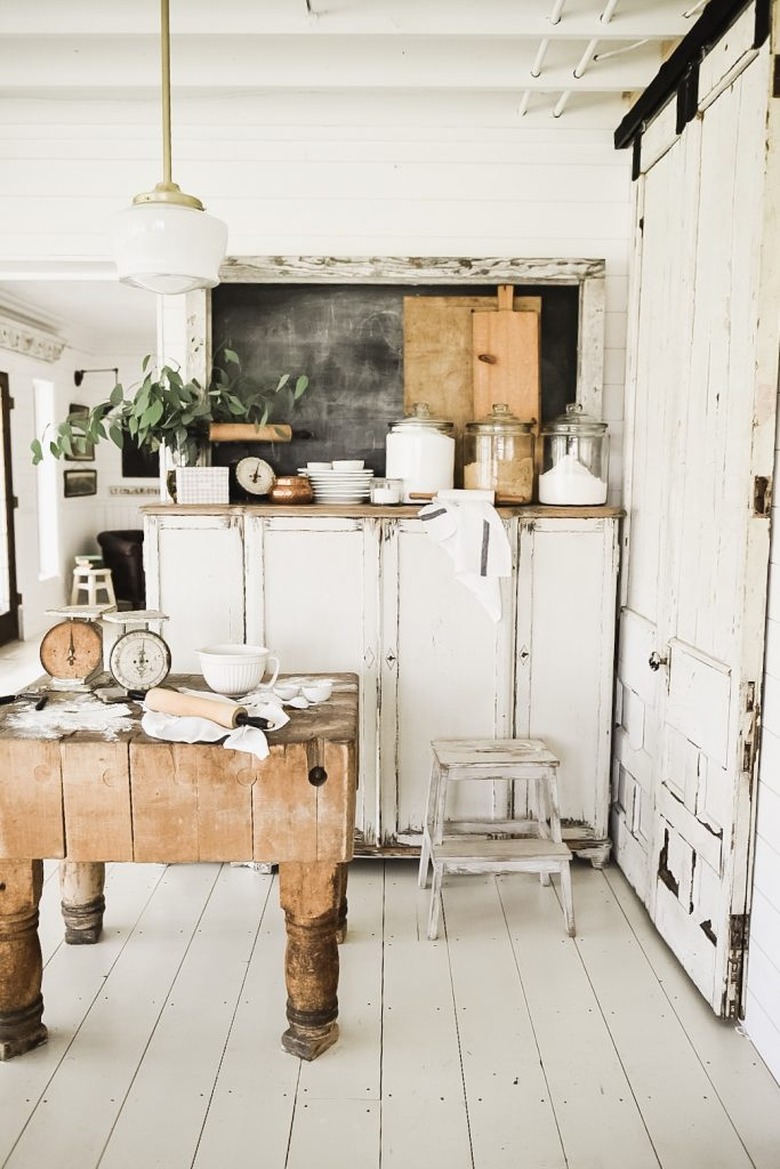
pixel 336 486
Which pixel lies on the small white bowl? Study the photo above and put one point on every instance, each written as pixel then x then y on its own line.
pixel 286 691
pixel 348 464
pixel 319 466
pixel 235 669
pixel 317 691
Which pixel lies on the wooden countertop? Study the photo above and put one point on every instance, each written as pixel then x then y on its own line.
pixel 530 511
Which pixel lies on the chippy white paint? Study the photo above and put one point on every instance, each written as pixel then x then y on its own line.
pixel 701 433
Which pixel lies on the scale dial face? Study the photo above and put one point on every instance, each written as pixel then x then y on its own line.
pixel 72 650
pixel 139 660
pixel 254 476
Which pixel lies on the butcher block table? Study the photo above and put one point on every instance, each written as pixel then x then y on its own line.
pixel 73 791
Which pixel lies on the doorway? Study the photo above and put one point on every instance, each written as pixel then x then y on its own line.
pixel 9 598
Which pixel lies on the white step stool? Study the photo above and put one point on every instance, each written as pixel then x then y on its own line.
pixel 533 845
pixel 92 581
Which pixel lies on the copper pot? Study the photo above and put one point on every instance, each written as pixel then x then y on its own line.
pixel 291 489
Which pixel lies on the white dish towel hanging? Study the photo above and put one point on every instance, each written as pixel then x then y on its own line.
pixel 473 536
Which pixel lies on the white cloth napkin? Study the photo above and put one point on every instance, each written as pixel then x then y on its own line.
pixel 177 728
pixel 473 536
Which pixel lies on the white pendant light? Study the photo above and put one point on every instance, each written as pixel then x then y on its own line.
pixel 165 241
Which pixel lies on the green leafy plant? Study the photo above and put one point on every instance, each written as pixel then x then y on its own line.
pixel 166 409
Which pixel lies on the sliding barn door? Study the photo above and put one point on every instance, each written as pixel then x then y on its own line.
pixel 700 457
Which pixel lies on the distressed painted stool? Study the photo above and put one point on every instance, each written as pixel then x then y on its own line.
pixel 532 845
pixel 92 581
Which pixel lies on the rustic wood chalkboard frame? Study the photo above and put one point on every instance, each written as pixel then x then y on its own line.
pixel 589 274
pixel 350 341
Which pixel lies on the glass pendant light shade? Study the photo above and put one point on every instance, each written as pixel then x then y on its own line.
pixel 167 247
pixel 165 241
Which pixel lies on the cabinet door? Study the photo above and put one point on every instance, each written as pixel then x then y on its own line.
pixel 446 673
pixel 312 597
pixel 566 596
pixel 195 573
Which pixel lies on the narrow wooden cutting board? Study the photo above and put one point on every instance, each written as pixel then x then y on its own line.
pixel 506 365
pixel 438 354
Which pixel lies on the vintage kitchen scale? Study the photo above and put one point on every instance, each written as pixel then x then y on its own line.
pixel 72 650
pixel 139 658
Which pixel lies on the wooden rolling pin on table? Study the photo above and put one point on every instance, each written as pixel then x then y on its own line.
pixel 225 714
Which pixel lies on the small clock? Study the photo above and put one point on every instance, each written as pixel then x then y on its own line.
pixel 139 659
pixel 72 653
pixel 254 476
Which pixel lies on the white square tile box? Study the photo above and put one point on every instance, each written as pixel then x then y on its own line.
pixel 202 485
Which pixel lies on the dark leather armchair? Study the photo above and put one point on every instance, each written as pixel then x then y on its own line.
pixel 123 553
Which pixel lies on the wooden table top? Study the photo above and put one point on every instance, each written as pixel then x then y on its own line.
pixel 72 712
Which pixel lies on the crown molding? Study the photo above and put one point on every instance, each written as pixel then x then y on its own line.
pixel 30 338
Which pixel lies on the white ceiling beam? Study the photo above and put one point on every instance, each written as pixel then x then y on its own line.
pixel 286 63
pixel 533 18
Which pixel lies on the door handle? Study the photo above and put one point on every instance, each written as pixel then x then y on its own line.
pixel 655 661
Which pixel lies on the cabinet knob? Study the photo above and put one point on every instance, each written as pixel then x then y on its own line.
pixel 655 661
pixel 317 776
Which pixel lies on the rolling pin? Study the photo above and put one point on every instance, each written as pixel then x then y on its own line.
pixel 225 714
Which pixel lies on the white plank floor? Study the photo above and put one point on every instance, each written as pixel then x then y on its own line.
pixel 503 1043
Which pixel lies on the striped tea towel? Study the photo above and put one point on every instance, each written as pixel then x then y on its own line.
pixel 472 534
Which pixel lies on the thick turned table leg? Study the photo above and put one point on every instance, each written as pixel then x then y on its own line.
pixel 83 903
pixel 310 895
pixel 341 927
pixel 21 967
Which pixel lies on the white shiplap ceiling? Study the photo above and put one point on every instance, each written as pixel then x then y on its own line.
pixel 552 56
pixel 538 49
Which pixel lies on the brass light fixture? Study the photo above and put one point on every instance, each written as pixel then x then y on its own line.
pixel 165 241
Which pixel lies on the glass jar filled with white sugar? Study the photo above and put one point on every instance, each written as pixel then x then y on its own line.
pixel 575 460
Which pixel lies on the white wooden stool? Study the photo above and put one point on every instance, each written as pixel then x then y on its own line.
pixel 92 581
pixel 532 845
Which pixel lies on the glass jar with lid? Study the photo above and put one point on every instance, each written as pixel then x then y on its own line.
pixel 498 454
pixel 420 450
pixel 575 459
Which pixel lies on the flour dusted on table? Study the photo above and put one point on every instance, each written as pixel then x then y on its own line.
pixel 571 482
pixel 66 714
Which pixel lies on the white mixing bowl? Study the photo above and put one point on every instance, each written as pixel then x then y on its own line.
pixel 235 669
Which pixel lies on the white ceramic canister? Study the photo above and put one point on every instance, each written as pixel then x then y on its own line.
pixel 421 451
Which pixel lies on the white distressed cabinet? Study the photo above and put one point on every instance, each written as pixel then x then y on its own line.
pixel 370 592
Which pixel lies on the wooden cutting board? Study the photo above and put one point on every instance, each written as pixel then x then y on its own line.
pixel 505 355
pixel 439 354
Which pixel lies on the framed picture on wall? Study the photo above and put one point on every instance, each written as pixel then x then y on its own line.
pixel 83 450
pixel 80 483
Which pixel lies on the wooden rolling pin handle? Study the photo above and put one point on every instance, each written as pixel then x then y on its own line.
pixel 226 714
pixel 488 358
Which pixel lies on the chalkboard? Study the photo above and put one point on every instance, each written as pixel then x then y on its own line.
pixel 348 339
